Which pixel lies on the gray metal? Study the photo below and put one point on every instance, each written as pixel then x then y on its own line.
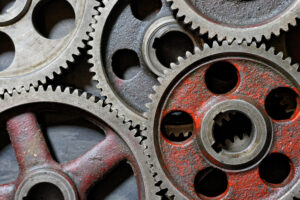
pixel 46 176
pixel 36 57
pixel 117 28
pixel 238 19
pixel 171 77
pixel 244 153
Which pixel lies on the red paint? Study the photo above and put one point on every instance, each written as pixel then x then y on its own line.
pixel 183 161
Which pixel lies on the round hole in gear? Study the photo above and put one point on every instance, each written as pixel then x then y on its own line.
pixel 125 64
pixel 281 103
pixel 232 131
pixel 221 77
pixel 275 168
pixel 5 5
pixel 141 9
pixel 177 126
pixel 172 45
pixel 211 182
pixel 7 51
pixel 54 19
pixel 45 191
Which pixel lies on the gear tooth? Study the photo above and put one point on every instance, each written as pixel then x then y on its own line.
pixel 205 46
pixel 215 44
pixel 263 46
pixel 160 79
pixel 280 54
pixel 40 88
pixel 272 50
pixel 197 50
pixel 289 60
pixel 67 90
pixel 173 65
pixel 188 54
pixel 180 59
pixel 1 90
pixel 6 95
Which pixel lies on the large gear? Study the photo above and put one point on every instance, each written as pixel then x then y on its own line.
pixel 76 177
pixel 120 34
pixel 237 157
pixel 238 19
pixel 40 54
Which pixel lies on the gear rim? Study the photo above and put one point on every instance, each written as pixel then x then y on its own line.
pixel 188 12
pixel 174 75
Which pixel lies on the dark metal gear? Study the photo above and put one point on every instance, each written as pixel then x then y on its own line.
pixel 72 179
pixel 129 50
pixel 243 104
pixel 238 19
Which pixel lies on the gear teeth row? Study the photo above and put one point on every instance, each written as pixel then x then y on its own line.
pixel 190 17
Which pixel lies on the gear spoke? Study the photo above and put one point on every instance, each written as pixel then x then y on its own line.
pixel 6 191
pixel 97 162
pixel 28 141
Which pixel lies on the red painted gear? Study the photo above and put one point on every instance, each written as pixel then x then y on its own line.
pixel 177 163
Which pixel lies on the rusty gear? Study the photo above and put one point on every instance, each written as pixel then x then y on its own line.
pixel 37 55
pixel 73 178
pixel 238 19
pixel 180 166
pixel 119 33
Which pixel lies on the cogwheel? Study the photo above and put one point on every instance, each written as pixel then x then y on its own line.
pixel 50 42
pixel 244 142
pixel 74 178
pixel 128 52
pixel 238 19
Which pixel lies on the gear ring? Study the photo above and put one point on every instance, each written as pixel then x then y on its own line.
pixel 175 171
pixel 129 34
pixel 73 178
pixel 39 56
pixel 245 10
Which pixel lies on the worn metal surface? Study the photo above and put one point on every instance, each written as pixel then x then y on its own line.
pixel 238 19
pixel 76 177
pixel 37 56
pixel 122 30
pixel 184 89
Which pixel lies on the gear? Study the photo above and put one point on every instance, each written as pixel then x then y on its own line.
pixel 129 52
pixel 237 140
pixel 42 47
pixel 73 179
pixel 238 19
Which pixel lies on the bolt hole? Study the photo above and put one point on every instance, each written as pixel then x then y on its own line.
pixel 5 5
pixel 125 64
pixel 172 45
pixel 211 182
pixel 221 77
pixel 142 9
pixel 281 103
pixel 275 168
pixel 54 19
pixel 231 131
pixel 45 191
pixel 7 51
pixel 177 126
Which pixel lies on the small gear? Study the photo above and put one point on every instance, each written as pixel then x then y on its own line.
pixel 41 44
pixel 129 52
pixel 74 178
pixel 238 19
pixel 237 141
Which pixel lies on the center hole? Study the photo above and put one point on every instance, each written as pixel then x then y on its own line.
pixel 172 45
pixel 232 131
pixel 5 5
pixel 45 191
